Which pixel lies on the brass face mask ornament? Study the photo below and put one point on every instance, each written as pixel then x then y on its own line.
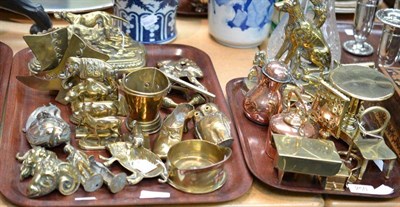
pixel 45 127
pixel 49 173
pixel 134 157
pixel 212 125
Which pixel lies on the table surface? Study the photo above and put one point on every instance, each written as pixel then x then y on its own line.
pixel 229 63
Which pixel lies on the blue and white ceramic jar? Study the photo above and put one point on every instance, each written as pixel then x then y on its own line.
pixel 150 21
pixel 240 23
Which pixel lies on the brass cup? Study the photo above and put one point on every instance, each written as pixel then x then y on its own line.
pixel 196 166
pixel 144 90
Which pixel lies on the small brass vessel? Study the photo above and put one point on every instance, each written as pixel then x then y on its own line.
pixel 197 166
pixel 144 90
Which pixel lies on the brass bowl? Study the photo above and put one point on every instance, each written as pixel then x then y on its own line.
pixel 196 166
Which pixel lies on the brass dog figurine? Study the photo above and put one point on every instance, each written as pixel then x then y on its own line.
pixel 302 39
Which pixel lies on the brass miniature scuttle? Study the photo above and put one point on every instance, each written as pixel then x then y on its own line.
pixel 144 90
pixel 265 100
pixel 90 179
pixel 49 173
pixel 212 125
pixel 137 159
pixel 172 129
pixel 45 127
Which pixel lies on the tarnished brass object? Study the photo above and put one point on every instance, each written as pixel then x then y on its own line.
pixel 48 49
pixel 254 76
pixel 45 127
pixel 197 166
pixel 98 29
pixel 49 173
pixel 360 84
pixel 346 174
pixel 90 180
pixel 137 159
pixel 183 67
pixel 144 90
pixel 265 100
pixel 98 109
pixel 172 129
pixel 306 156
pixel 90 90
pixel 303 39
pixel 195 100
pixel 98 131
pixel 371 143
pixel 212 125
pixel 329 109
pixel 114 182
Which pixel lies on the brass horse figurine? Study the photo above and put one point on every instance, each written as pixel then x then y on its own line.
pixel 303 39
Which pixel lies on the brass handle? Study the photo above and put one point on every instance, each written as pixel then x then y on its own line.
pixel 381 129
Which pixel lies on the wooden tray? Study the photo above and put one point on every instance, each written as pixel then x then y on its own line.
pixel 6 58
pixel 186 9
pixel 253 140
pixel 23 100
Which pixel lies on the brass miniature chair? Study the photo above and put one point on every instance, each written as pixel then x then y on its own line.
pixel 371 144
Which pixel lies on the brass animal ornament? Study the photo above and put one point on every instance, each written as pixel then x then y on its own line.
pixel 302 40
pixel 92 19
pixel 98 109
pixel 49 173
pixel 103 129
pixel 183 67
pixel 134 157
pixel 90 90
pixel 98 29
pixel 212 125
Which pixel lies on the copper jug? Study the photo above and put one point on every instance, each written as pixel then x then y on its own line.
pixel 264 100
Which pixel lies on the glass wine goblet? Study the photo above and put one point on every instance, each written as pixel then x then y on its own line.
pixel 363 22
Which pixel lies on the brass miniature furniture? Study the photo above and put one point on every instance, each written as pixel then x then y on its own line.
pixel 360 84
pixel 306 156
pixel 371 144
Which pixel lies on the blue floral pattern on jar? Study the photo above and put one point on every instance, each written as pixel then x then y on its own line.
pixel 152 22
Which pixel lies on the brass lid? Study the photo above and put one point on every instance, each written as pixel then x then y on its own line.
pixel 277 71
pixel 362 83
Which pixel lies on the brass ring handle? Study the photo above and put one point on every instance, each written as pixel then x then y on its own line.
pixel 299 98
pixel 380 129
